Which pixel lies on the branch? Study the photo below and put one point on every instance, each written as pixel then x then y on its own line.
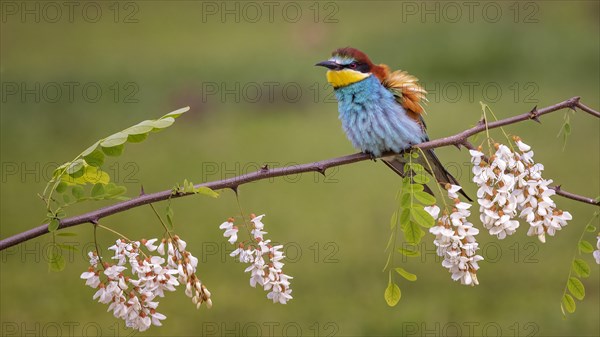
pixel 320 166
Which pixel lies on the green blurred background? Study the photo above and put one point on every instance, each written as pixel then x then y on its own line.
pixel 256 98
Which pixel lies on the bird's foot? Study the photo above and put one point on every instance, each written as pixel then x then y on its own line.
pixel 371 156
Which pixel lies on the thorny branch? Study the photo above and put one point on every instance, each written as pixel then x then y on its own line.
pixel 459 139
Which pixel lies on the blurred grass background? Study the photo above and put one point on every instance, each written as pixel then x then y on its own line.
pixel 179 54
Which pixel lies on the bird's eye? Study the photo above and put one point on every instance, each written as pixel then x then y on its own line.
pixel 352 65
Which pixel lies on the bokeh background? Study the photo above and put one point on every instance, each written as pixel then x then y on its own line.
pixel 256 98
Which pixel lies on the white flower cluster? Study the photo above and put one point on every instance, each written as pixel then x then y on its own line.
pixel 597 251
pixel 455 239
pixel 265 260
pixel 133 298
pixel 510 184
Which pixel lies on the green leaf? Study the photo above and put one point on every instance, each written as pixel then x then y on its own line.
pixel 188 186
pixel 89 175
pixel 569 303
pixel 61 187
pixel 56 262
pixel 97 190
pixel 113 151
pixel 413 188
pixel 408 252
pixel 414 154
pixel 113 140
pixel 394 220
pixel 94 175
pixel 424 197
pixel 585 246
pixel 576 288
pixel 420 179
pixel 404 216
pixel 66 198
pixel 408 276
pixel 405 200
pixel 53 225
pixel 421 216
pixel 137 138
pixel 590 228
pixel 417 168
pixel 581 268
pixel 96 158
pixel 77 192
pixel 139 129
pixel 163 123
pixel 206 191
pixel 412 232
pixel 392 294
pixel 113 190
pixel 75 166
pixel 177 112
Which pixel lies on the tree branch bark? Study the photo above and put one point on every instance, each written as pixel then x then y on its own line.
pixel 459 139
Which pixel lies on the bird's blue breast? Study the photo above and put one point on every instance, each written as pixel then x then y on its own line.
pixel 373 120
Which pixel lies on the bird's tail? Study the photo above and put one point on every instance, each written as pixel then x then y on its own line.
pixel 443 177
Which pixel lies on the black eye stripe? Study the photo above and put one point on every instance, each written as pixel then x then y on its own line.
pixel 362 67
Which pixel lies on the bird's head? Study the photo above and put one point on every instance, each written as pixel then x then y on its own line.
pixel 349 65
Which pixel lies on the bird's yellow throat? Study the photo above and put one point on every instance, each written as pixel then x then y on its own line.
pixel 342 78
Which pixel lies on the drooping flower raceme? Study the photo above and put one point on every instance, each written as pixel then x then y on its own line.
pixel 510 184
pixel 265 260
pixel 134 298
pixel 455 239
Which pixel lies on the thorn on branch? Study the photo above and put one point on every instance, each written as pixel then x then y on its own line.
pixel 321 170
pixel 264 168
pixel 142 190
pixel 481 121
pixel 574 101
pixel 534 114
pixel 234 189
pixel 94 221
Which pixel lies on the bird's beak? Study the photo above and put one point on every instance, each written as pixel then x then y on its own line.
pixel 329 65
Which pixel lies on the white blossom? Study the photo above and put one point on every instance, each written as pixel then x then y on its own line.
pixel 132 298
pixel 455 239
pixel 510 185
pixel 265 261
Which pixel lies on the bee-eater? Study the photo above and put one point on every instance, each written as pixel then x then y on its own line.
pixel 381 110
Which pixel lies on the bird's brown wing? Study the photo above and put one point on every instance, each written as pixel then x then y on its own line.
pixel 408 93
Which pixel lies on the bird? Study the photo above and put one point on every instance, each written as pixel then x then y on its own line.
pixel 381 111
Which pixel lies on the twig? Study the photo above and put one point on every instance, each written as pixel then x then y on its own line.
pixel 320 166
